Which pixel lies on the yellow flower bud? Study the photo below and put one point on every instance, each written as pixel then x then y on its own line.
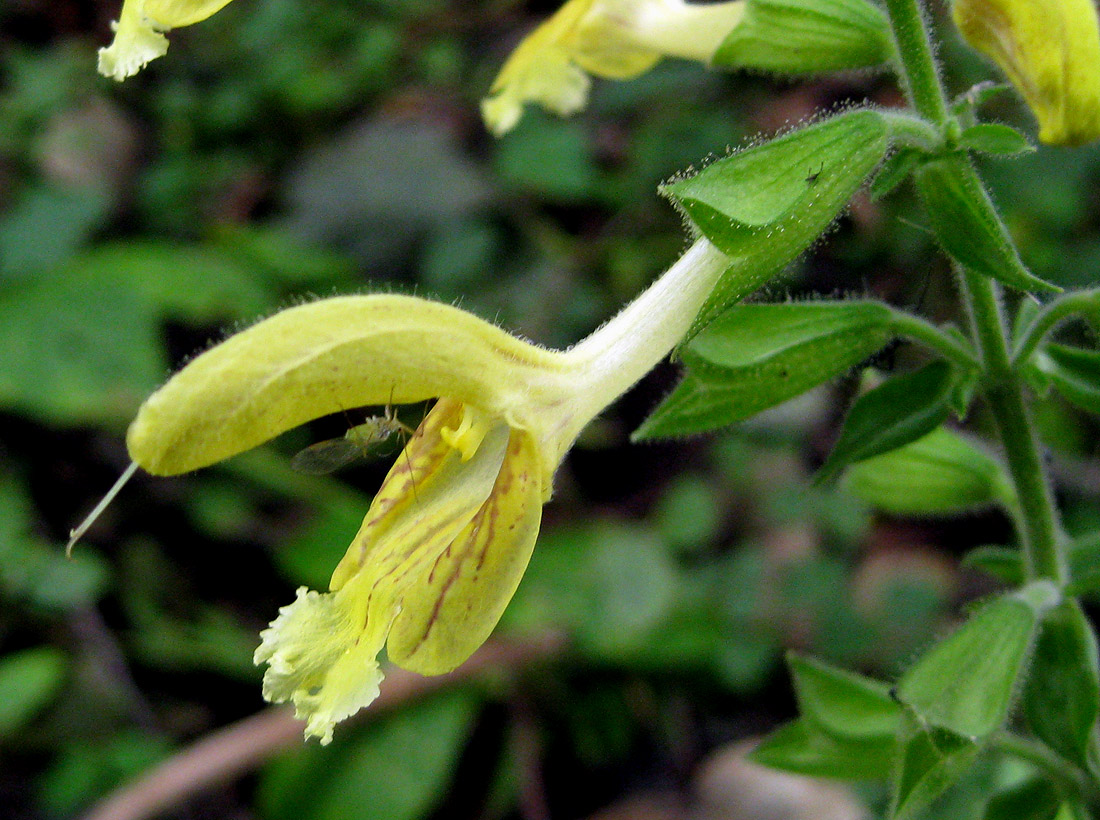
pixel 617 39
pixel 1050 50
pixel 139 31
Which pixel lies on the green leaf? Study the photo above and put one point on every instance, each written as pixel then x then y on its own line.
pixel 189 282
pixel 551 157
pixel 38 573
pixel 891 415
pixel 799 747
pixel 1062 696
pixel 398 766
pixel 78 351
pixel 938 474
pixel 1003 563
pixel 1074 372
pixel 756 356
pixel 766 204
pixel 931 761
pixel 46 225
pixel 894 172
pixel 842 704
pixel 978 95
pixel 807 36
pixel 1028 309
pixel 961 215
pixel 29 680
pixel 995 138
pixel 966 682
pixel 1034 799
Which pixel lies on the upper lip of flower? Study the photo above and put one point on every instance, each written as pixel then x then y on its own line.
pixel 329 356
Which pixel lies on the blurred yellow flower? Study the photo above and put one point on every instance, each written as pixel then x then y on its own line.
pixel 1050 50
pixel 617 39
pixel 449 534
pixel 139 35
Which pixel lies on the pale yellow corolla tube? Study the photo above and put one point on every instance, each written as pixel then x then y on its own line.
pixel 449 534
pixel 616 39
pixel 139 32
pixel 1050 50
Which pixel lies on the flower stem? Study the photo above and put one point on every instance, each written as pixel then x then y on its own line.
pixel 1038 519
pixel 1049 317
pixel 922 79
pixel 923 331
pixel 1062 771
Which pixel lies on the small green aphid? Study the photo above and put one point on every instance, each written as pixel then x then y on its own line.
pixel 363 441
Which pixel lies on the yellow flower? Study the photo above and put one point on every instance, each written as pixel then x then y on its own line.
pixel 1050 50
pixel 617 39
pixel 449 534
pixel 139 31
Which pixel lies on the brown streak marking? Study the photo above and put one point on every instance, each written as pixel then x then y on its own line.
pixel 478 533
pixel 455 571
pixel 401 558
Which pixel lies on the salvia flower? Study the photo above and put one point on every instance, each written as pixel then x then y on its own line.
pixel 1050 50
pixel 139 32
pixel 616 39
pixel 449 534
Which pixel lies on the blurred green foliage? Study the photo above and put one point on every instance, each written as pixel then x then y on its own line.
pixel 289 149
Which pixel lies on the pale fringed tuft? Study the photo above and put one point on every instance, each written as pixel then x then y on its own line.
pixel 134 46
pixel 320 661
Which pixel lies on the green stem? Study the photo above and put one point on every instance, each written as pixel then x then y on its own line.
pixel 1038 520
pixel 1045 321
pixel 922 80
pixel 1072 779
pixel 923 331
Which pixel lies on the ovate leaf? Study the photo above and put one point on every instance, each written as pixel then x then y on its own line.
pixel 962 217
pixel 1062 697
pixel 1003 563
pixel 807 36
pixel 932 760
pixel 892 415
pixel 843 704
pixel 938 474
pixel 966 683
pixel 764 205
pixel 1074 372
pixel 801 748
pixel 756 356
pixel 995 138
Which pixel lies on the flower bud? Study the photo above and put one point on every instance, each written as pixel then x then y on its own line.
pixel 1050 49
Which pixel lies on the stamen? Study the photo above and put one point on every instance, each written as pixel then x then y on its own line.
pixel 76 534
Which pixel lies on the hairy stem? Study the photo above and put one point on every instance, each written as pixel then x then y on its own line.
pixel 918 68
pixel 923 331
pixel 1038 519
pixel 1049 317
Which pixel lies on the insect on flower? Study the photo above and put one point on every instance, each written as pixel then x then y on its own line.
pixel 363 441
